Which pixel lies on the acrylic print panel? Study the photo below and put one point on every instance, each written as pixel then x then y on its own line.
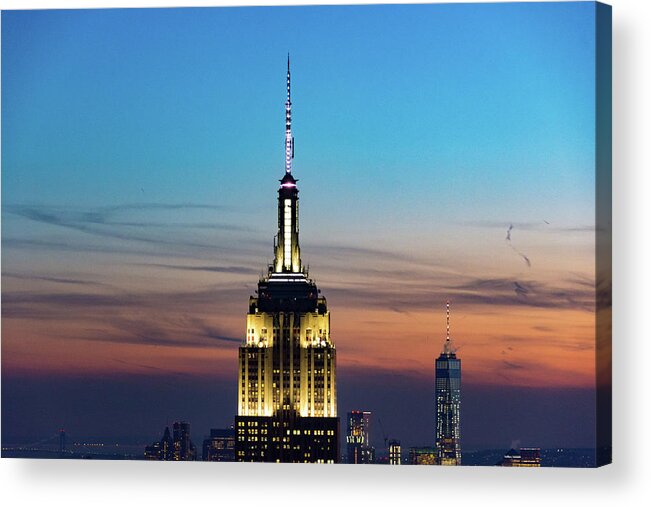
pixel 441 295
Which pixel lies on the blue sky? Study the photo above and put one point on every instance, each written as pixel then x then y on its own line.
pixel 488 102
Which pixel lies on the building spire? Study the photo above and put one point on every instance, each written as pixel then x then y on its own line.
pixel 288 80
pixel 289 139
pixel 288 253
pixel 447 347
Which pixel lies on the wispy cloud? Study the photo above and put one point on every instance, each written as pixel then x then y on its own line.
pixel 177 330
pixel 552 341
pixel 520 289
pixel 167 206
pixel 542 225
pixel 85 304
pixel 214 333
pixel 53 279
pixel 241 270
pixel 510 242
pixel 170 330
pixel 102 222
pixel 148 250
pixel 150 367
pixel 492 292
pixel 343 250
pixel 510 365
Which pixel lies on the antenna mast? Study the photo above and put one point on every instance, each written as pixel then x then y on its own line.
pixel 289 139
pixel 447 348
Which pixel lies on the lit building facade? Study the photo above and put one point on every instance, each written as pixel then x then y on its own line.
pixel 358 446
pixel 422 456
pixel 287 397
pixel 394 452
pixel 448 402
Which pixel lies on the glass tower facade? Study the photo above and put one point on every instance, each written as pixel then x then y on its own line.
pixel 448 403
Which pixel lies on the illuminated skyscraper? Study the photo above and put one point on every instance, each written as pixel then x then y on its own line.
pixel 287 398
pixel 358 446
pixel 448 402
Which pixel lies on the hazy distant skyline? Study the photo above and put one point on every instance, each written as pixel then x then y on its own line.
pixel 141 153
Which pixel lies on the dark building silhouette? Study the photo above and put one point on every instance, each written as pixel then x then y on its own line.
pixel 219 446
pixel 448 403
pixel 167 446
pixel 178 447
pixel 184 449
pixel 153 452
pixel 62 442
pixel 287 398
pixel 358 446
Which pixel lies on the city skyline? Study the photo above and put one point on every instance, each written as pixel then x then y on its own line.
pixel 129 251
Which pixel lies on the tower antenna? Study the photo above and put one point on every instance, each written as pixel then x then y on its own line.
pixel 289 139
pixel 447 348
pixel 447 319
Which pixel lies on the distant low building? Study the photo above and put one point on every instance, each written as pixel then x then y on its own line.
pixel 525 457
pixel 394 452
pixel 422 456
pixel 162 450
pixel 178 447
pixel 220 445
pixel 152 452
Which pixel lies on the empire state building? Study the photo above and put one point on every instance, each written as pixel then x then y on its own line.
pixel 287 397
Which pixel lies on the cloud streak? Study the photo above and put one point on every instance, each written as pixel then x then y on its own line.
pixel 530 226
pixel 169 331
pixel 53 279
pixel 240 270
pixel 100 222
pixel 508 240
pixel 491 292
pixel 80 304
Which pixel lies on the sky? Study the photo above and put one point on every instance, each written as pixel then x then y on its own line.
pixel 442 151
